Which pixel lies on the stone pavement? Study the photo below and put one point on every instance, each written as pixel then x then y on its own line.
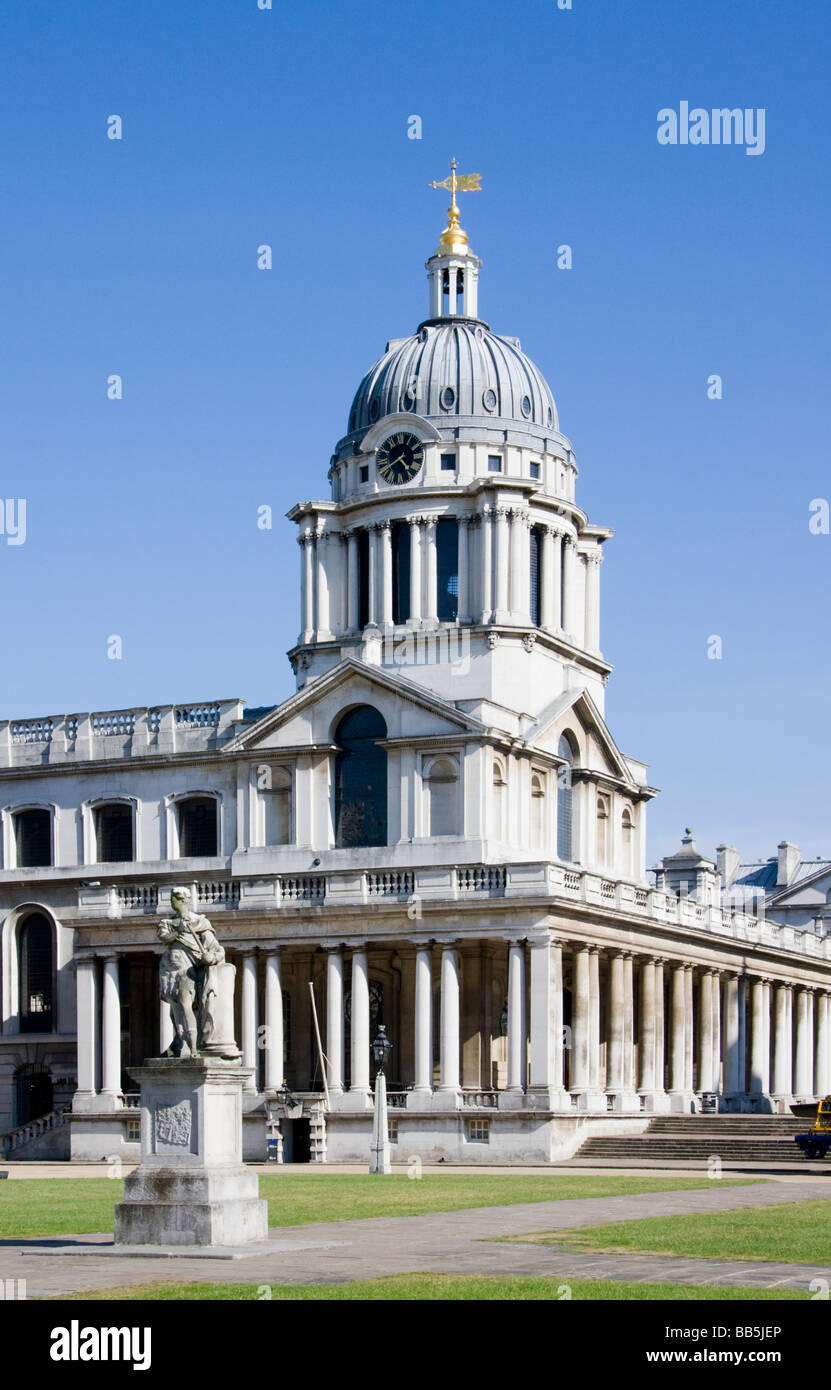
pixel 459 1242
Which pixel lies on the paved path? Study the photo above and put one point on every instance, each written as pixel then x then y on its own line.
pixel 456 1242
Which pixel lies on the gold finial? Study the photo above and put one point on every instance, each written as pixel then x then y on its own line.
pixel 454 238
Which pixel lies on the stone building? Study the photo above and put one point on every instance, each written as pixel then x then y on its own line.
pixel 437 831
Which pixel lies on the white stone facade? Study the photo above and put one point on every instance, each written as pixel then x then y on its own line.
pixel 437 832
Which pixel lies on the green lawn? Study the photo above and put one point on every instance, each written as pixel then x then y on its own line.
pixel 447 1287
pixel 63 1206
pixel 793 1232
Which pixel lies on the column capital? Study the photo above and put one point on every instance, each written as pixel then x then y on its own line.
pixel 593 557
pixel 415 521
pixel 361 944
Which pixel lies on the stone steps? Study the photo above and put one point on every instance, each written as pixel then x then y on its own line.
pixel 697 1138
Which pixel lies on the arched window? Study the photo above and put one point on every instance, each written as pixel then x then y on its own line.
pixel 500 792
pixel 277 799
pixel 627 829
pixel 537 808
pixel 33 838
pixel 602 830
pixel 442 784
pixel 198 827
pixel 36 971
pixel 114 838
pixel 447 569
pixel 361 779
pixel 565 799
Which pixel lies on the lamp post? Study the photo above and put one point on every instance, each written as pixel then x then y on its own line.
pixel 379 1155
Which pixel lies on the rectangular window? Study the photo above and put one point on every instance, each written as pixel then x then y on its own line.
pixel 363 578
pixel 494 463
pixel 133 1135
pixel 447 547
pixel 33 839
pixel 400 571
pixel 535 470
pixel 535 575
pixel 392 1131
pixel 363 473
pixel 448 463
pixel 478 1131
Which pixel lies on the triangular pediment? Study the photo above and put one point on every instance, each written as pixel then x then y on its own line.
pixel 309 718
pixel 812 889
pixel 575 712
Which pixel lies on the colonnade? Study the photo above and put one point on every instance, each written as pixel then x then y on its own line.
pixel 587 1027
pixel 493 575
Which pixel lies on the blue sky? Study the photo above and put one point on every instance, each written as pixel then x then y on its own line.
pixel 289 126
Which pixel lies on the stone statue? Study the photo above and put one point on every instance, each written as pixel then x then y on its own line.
pixel 194 981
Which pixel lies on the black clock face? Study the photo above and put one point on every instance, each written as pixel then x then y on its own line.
pixel 399 458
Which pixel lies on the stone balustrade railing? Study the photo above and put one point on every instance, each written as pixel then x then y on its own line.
pixel 456 883
pixel 118 733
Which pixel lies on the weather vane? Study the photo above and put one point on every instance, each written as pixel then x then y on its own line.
pixel 453 237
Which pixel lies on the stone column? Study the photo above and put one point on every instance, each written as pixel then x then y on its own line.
pixel 614 1045
pixel 111 1030
pixel 353 582
pixel 549 590
pixel 431 575
pixel 716 988
pixel 373 567
pixel 629 1027
pixel 464 607
pixel 646 1032
pixel 660 1046
pixel 678 1072
pixel 385 530
pixel 570 611
pixel 580 1076
pixel 689 1032
pixel 249 1016
pixel 546 1070
pixel 415 570
pixel 307 589
pixel 334 1020
pixel 501 567
pixel 804 1046
pixel 274 1075
pixel 166 1030
pixel 323 617
pixel 705 1033
pixel 733 1077
pixel 592 562
pixel 86 997
pixel 486 566
pixel 449 1027
pixel 520 567
pixel 822 1062
pixel 782 1041
pixel 759 1049
pixel 361 1041
pixel 516 1017
pixel 594 1018
pixel 423 1021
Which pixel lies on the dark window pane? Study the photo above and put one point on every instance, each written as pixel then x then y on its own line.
pixel 114 833
pixel 33 836
pixel 361 785
pixel 447 547
pixel 36 975
pixel 197 827
pixel 494 463
pixel 448 463
pixel 363 578
pixel 535 576
pixel 535 470
pixel 400 572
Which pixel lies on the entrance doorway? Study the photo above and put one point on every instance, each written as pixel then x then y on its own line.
pixel 33 1093
pixel 297 1141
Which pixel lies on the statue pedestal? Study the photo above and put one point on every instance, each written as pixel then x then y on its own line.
pixel 191 1187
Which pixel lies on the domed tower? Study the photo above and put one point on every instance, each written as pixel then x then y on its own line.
pixel 452 549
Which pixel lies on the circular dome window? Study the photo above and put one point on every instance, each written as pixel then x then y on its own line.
pixel 525 406
pixel 448 398
pixel 489 400
pixel 550 417
pixel 424 335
